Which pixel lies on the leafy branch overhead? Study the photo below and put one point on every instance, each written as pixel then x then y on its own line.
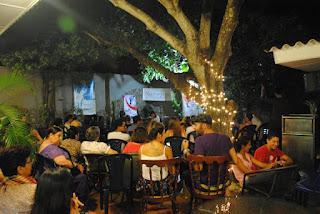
pixel 196 42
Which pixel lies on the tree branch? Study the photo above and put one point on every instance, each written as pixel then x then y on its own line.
pixel 184 23
pixel 151 24
pixel 178 80
pixel 205 27
pixel 228 26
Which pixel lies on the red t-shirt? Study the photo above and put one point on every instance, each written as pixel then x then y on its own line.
pixel 132 147
pixel 263 154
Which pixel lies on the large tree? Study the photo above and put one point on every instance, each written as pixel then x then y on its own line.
pixel 207 56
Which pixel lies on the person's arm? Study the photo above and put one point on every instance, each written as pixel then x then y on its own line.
pixel 168 153
pixel 185 147
pixel 237 161
pixel 112 152
pixel 62 161
pixel 285 160
pixel 261 164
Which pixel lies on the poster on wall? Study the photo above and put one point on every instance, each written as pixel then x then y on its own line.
pixel 84 98
pixel 190 107
pixel 130 105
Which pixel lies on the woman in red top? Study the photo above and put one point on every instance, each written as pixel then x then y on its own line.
pixel 138 137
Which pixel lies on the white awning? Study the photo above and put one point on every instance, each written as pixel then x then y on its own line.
pixel 12 10
pixel 305 57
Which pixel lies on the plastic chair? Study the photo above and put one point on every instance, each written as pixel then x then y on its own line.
pixel 209 176
pixel 163 189
pixel 116 144
pixel 175 143
pixel 111 171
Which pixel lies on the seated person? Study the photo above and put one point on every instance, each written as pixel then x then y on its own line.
pixel 72 143
pixel 92 146
pixel 18 188
pixel 137 122
pixel 155 150
pixel 138 137
pixel 54 193
pixel 270 153
pixel 243 146
pixel 211 143
pixel 119 128
pixel 51 150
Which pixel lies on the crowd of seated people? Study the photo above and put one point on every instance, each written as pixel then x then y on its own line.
pixel 146 140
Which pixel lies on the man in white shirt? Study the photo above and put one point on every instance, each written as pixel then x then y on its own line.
pixel 120 128
pixel 92 146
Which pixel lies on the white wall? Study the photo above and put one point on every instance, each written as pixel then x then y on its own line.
pixel 100 90
pixel 64 96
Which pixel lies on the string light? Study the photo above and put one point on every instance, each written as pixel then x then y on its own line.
pixel 212 100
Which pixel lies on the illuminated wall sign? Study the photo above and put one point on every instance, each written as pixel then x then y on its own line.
pixel 157 94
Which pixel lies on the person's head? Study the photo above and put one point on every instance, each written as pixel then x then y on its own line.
pixel 54 135
pixel 243 144
pixel 157 132
pixel 272 140
pixel 69 118
pixel 153 114
pixel 73 133
pixel 58 122
pixel 247 117
pixel 54 192
pixel 175 126
pixel 122 114
pixel 119 125
pixel 150 125
pixel 16 160
pixel 139 135
pixel 202 123
pixel 136 119
pixel 93 133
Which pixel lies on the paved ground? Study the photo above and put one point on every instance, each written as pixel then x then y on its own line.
pixel 249 203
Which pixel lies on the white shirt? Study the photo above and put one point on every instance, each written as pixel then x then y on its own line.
pixel 94 147
pixel 118 135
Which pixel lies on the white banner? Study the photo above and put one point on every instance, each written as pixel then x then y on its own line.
pixel 157 94
pixel 130 105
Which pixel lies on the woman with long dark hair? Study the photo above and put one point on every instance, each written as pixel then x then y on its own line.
pixel 54 193
pixel 242 146
pixel 155 150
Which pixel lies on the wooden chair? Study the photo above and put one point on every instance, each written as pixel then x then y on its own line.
pixel 209 176
pixel 164 189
